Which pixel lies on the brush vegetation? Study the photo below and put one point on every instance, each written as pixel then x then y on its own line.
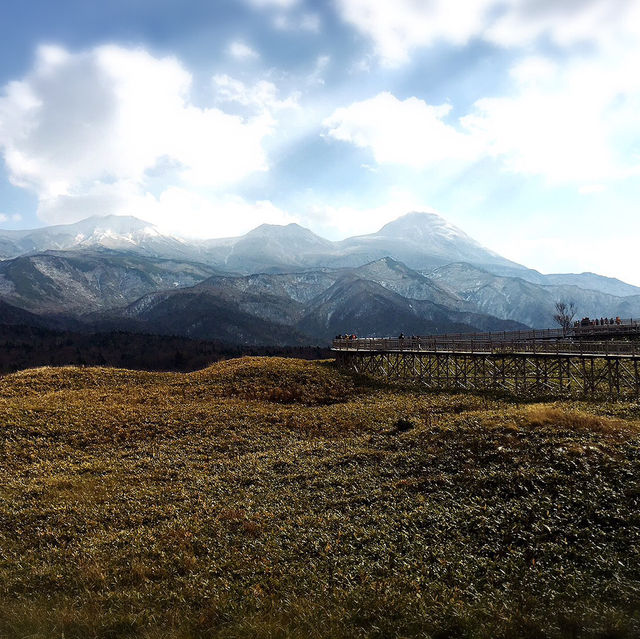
pixel 266 497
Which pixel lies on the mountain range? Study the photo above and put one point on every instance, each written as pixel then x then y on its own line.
pixel 283 284
pixel 420 240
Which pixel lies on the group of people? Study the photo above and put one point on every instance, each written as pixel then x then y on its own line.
pixel 354 336
pixel 603 321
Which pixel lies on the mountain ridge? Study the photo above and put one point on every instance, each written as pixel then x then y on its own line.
pixel 286 281
pixel 418 239
pixel 422 240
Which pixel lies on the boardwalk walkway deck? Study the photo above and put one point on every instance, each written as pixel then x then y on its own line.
pixel 531 363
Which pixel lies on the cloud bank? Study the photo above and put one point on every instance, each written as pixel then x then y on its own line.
pixel 400 27
pixel 409 132
pixel 570 124
pixel 93 132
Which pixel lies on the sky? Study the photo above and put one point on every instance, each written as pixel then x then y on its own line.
pixel 516 120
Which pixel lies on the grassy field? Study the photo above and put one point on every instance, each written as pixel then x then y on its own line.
pixel 281 498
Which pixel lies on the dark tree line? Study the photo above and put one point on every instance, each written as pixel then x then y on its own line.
pixel 27 346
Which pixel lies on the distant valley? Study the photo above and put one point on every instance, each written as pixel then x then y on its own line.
pixel 282 285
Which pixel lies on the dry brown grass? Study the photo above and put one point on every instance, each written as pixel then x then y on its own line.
pixel 276 379
pixel 545 415
pixel 279 498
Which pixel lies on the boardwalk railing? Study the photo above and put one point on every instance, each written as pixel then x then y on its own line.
pixel 425 344
pixel 626 327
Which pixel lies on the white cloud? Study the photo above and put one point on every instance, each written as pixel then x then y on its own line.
pixel 396 28
pixel 263 95
pixel 96 124
pixel 316 77
pixel 574 123
pixel 572 120
pixel 185 212
pixel 305 22
pixel 569 123
pixel 408 132
pixel 400 26
pixel 242 51
pixel 565 23
pixel 10 217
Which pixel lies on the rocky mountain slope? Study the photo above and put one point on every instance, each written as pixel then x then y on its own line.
pixel 367 308
pixel 401 279
pixel 111 290
pixel 83 281
pixel 303 287
pixel 589 281
pixel 203 314
pixel 344 302
pixel 594 282
pixel 522 301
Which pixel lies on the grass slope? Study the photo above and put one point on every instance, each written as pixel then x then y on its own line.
pixel 282 498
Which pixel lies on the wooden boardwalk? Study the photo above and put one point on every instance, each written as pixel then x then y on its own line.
pixel 528 366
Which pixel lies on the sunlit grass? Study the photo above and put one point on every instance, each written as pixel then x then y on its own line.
pixel 281 498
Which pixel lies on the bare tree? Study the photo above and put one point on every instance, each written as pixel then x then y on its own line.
pixel 565 312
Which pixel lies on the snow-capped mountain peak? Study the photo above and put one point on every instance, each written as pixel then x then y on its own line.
pixel 419 225
pixel 112 232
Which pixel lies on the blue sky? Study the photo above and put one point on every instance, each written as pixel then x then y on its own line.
pixel 517 120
